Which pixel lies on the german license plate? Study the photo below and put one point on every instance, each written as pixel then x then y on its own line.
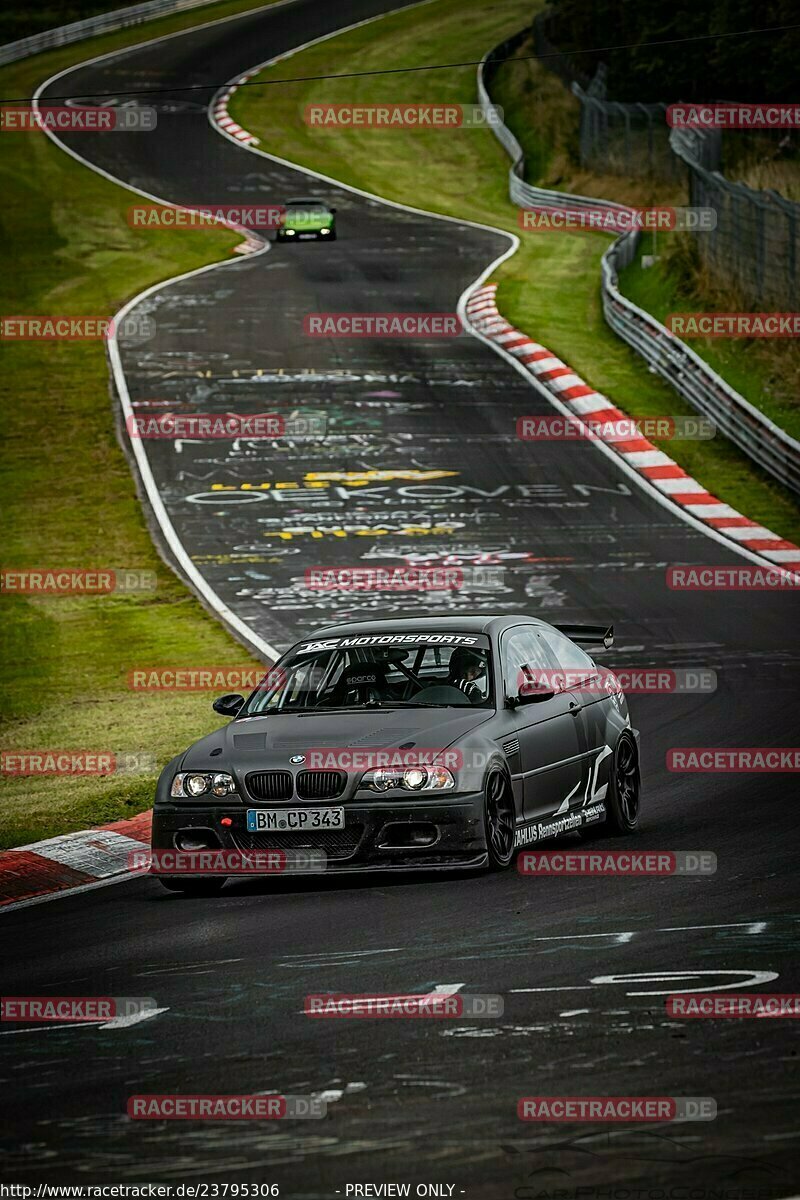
pixel 293 820
pixel 307 235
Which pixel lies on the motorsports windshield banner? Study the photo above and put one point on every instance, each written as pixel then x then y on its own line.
pixel 395 639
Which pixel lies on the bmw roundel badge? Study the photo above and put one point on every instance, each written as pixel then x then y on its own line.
pixel 297 758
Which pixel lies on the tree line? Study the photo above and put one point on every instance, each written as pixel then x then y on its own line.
pixel 752 67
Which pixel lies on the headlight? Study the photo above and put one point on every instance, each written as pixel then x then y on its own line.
pixel 324 231
pixel 197 783
pixel 440 779
pixel 289 232
pixel 415 778
pixel 412 779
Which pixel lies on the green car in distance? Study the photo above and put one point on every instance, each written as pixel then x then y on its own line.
pixel 307 218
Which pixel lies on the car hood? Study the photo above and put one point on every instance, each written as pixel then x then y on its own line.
pixel 309 224
pixel 271 741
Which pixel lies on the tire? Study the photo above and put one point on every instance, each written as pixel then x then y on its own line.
pixel 624 788
pixel 499 819
pixel 192 887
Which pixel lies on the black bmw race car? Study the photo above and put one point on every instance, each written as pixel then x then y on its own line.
pixel 428 742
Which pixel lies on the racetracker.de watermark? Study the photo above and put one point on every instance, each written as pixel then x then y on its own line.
pixel 21 118
pixel 70 581
pixel 768 115
pixel 225 1108
pixel 382 325
pixel 224 862
pixel 642 681
pixel 555 428
pixel 616 1109
pixel 744 578
pixel 733 1004
pixel 432 1004
pixel 617 862
pixel 401 116
pixel 206 216
pixel 69 328
pixel 231 426
pixel 720 760
pixel 77 762
pixel 734 324
pixel 618 220
pixel 345 758
pixel 203 679
pixel 73 1008
pixel 403 579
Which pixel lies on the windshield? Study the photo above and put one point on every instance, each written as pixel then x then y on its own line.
pixel 293 207
pixel 453 672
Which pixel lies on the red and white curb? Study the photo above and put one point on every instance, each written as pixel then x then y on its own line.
pixel 638 453
pixel 71 861
pixel 220 113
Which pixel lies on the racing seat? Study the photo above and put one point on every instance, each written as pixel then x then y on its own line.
pixel 364 683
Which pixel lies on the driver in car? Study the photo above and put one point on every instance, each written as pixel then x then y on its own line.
pixel 465 668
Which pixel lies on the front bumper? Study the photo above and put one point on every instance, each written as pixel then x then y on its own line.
pixel 376 837
pixel 306 235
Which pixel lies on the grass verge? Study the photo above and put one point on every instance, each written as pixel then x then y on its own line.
pixel 550 288
pixel 69 499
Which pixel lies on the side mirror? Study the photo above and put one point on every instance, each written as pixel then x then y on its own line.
pixel 228 705
pixel 533 686
pixel 533 692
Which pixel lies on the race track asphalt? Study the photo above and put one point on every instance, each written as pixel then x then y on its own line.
pixel 419 1101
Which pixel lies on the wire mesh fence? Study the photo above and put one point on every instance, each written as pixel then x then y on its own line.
pixel 756 243
pixel 624 139
pixel 617 139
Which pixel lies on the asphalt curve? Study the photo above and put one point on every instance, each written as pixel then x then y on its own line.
pixel 415 1101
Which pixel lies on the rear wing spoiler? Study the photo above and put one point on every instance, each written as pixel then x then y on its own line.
pixel 589 635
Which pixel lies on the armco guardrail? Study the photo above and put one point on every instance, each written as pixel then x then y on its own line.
pixel 766 443
pixel 119 18
pixel 763 441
